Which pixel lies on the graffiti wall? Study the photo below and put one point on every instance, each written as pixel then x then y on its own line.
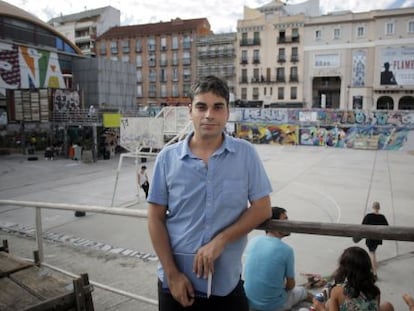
pixel 137 132
pixel 387 130
pixel 23 68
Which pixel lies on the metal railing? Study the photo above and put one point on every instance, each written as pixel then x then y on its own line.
pixel 397 233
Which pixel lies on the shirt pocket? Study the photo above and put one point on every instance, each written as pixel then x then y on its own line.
pixel 234 193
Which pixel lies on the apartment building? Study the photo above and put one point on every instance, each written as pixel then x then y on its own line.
pixel 360 60
pixel 217 56
pixel 83 28
pixel 270 54
pixel 165 56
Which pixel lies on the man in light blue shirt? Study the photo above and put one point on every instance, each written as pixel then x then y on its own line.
pixel 269 271
pixel 199 205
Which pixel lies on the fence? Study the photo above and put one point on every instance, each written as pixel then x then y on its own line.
pixel 397 233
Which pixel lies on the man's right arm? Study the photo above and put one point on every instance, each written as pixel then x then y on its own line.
pixel 178 284
pixel 290 283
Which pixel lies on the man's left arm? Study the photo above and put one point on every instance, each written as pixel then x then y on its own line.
pixel 258 212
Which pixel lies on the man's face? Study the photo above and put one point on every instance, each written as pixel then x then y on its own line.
pixel 209 114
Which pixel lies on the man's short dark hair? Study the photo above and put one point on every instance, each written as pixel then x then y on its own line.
pixel 212 84
pixel 277 212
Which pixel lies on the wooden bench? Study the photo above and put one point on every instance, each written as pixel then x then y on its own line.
pixel 27 286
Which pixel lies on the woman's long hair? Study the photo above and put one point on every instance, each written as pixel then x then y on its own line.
pixel 355 271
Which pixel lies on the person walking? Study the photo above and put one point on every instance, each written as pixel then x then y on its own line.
pixel 269 273
pixel 374 218
pixel 143 181
pixel 198 211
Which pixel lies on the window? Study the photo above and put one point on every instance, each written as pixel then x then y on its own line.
pixel 256 37
pixel 244 39
pixel 174 90
pixel 175 43
pixel 318 34
pixel 295 35
pixel 389 28
pixel 138 47
pixel 337 33
pixel 151 60
pixel 163 75
pixel 255 93
pixel 139 90
pixel 244 93
pixel 125 46
pixel 138 60
pixel 163 90
pixel 175 59
pixel 295 55
pixel 256 57
pixel 186 42
pixel 163 61
pixel 280 93
pixel 175 74
pixel 152 77
pixel 244 76
pixel 139 75
pixel 244 57
pixel 294 74
pixel 411 26
pixel 152 90
pixel 186 74
pixel 256 77
pixel 163 44
pixel 151 44
pixel 293 92
pixel 360 31
pixel 280 74
pixel 282 56
pixel 186 58
pixel 114 47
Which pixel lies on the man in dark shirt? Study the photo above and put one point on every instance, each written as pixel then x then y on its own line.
pixel 374 218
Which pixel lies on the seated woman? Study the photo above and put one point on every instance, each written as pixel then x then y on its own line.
pixel 354 287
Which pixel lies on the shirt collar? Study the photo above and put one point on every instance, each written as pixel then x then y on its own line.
pixel 227 145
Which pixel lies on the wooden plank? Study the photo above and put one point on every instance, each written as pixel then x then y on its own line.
pixel 43 283
pixel 13 297
pixel 10 264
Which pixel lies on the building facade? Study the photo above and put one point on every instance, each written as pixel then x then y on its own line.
pixel 36 61
pixel 217 56
pixel 360 60
pixel 83 28
pixel 164 54
pixel 270 54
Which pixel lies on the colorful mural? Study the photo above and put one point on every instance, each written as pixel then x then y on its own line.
pixel 324 117
pixel 23 67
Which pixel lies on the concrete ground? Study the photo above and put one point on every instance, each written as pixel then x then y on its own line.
pixel 313 183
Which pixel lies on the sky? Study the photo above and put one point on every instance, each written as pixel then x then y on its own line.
pixel 222 14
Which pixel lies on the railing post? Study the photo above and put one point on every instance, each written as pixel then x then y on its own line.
pixel 39 233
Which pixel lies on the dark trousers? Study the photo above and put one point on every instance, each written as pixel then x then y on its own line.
pixel 236 300
pixel 145 187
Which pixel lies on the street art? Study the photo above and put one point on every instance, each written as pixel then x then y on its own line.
pixel 23 68
pixel 362 129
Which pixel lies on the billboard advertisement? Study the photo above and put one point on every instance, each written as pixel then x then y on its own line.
pixel 397 66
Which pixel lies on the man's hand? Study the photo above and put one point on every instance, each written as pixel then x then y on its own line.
pixel 181 289
pixel 205 257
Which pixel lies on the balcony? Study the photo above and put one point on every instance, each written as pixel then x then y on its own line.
pixel 243 80
pixel 281 58
pixel 256 60
pixel 294 78
pixel 280 79
pixel 288 39
pixel 294 58
pixel 244 61
pixel 163 62
pixel 250 42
